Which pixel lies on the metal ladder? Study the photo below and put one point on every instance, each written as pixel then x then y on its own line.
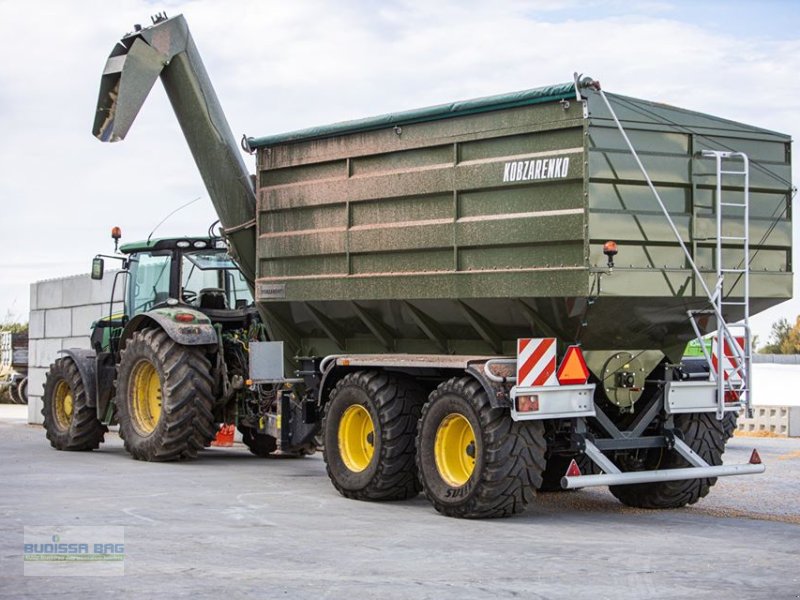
pixel 734 361
pixel 735 376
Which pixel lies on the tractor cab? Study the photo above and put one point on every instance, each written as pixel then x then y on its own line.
pixel 196 272
pixel 167 276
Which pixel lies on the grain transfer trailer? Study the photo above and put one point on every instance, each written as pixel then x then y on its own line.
pixel 487 298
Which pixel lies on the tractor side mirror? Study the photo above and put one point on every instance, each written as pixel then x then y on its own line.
pixel 97 268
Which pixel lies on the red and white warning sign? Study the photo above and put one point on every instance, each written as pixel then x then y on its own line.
pixel 536 362
pixel 731 363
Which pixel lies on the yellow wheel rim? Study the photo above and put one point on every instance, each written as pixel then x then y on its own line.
pixel 64 405
pixel 146 397
pixel 356 438
pixel 454 449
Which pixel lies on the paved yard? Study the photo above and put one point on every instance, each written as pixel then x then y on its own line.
pixel 230 525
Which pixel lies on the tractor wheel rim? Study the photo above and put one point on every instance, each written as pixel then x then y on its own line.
pixel 455 449
pixel 64 405
pixel 146 397
pixel 356 438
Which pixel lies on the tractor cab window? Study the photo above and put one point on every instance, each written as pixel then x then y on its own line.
pixel 149 281
pixel 210 279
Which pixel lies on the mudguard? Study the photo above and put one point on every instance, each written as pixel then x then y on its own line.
pixel 86 362
pixel 199 332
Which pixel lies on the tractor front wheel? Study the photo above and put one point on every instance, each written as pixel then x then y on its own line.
pixel 70 424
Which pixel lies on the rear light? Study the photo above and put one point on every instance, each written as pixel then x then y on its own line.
pixel 528 403
pixel 184 317
pixel 732 396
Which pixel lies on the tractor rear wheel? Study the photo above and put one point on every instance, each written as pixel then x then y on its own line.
pixel 70 424
pixel 474 460
pixel 703 433
pixel 164 398
pixel 369 427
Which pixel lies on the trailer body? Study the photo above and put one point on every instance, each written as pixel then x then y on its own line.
pixel 488 218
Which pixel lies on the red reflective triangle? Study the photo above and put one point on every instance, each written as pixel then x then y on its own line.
pixel 573 369
pixel 755 459
pixel 574 470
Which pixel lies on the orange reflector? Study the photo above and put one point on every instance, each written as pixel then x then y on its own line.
pixel 574 470
pixel 755 459
pixel 573 369
pixel 184 317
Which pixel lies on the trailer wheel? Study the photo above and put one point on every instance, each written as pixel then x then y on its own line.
pixel 164 398
pixel 259 444
pixel 369 427
pixel 70 424
pixel 704 434
pixel 474 460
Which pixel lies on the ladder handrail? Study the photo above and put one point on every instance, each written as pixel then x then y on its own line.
pixel 717 297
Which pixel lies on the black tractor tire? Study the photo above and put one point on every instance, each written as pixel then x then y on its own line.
pixel 13 393
pixel 184 423
pixel 69 423
pixel 703 433
pixel 259 444
pixel 393 404
pixel 509 455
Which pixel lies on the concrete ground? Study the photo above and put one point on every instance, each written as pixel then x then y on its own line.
pixel 230 525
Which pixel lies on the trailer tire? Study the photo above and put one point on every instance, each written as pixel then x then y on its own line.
pixel 704 434
pixel 69 423
pixel 369 428
pixel 729 424
pixel 509 456
pixel 164 398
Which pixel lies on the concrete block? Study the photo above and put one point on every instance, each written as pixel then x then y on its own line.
pixel 44 352
pixel 35 410
pixel 49 294
pixel 794 421
pixel 58 323
pixel 34 292
pixel 36 324
pixel 83 317
pixel 76 342
pixel 76 291
pixel 36 377
pixel 775 420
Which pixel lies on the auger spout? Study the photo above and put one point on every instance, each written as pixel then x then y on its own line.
pixel 166 50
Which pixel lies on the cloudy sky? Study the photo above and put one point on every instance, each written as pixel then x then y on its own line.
pixel 279 66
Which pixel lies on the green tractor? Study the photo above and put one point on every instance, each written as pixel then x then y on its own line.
pixel 172 366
